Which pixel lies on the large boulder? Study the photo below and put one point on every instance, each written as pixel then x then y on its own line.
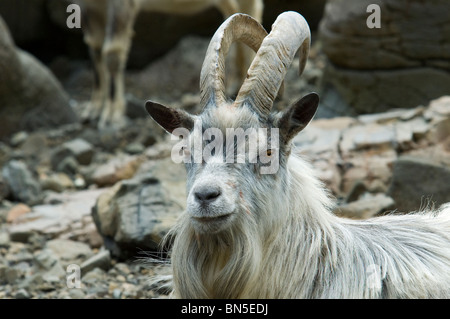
pixel 30 96
pixel 23 185
pixel 403 64
pixel 135 214
pixel 418 183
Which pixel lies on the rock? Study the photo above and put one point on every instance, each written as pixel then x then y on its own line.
pixel 70 251
pixel 20 236
pixel 81 150
pixel 372 135
pixel 24 187
pixel 4 239
pixel 118 168
pixel 46 258
pixel 94 276
pixel 356 191
pixel 57 182
pixel 100 260
pixel 366 207
pixel 409 132
pixel 77 294
pixel 18 138
pixel 57 219
pixel 4 189
pixel 135 214
pixel 395 66
pixel 68 165
pixel 78 148
pixel 134 148
pixel 8 275
pixel 22 294
pixel 419 182
pixel 17 211
pixel 25 82
pixel 36 145
pixel 54 275
pixel 50 264
pixel 368 166
pixel 117 293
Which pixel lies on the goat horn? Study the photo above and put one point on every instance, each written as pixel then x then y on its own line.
pixel 238 27
pixel 289 32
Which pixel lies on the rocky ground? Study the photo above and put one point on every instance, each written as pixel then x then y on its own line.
pixel 76 198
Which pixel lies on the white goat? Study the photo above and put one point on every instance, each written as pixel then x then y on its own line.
pixel 108 30
pixel 250 235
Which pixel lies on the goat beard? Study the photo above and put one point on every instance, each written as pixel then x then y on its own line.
pixel 223 265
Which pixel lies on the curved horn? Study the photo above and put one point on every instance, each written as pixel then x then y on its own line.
pixel 289 32
pixel 238 27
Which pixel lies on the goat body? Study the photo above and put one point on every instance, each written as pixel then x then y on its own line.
pixel 108 31
pixel 249 235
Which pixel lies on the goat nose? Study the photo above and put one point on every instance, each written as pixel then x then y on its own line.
pixel 206 195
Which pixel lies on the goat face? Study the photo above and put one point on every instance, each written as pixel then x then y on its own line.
pixel 241 176
pixel 235 161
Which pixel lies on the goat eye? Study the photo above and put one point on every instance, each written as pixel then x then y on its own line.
pixel 269 152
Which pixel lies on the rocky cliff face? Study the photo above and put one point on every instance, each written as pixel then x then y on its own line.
pixel 404 63
pixel 30 95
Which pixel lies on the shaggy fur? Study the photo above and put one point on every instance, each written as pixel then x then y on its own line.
pixel 311 253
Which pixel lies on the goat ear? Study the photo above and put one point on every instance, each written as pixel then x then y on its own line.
pixel 169 118
pixel 296 117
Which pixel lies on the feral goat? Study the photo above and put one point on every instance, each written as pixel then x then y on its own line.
pixel 251 235
pixel 108 30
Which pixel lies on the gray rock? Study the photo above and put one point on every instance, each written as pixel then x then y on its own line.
pixel 100 260
pixel 22 294
pixel 18 138
pixel 30 95
pixel 57 182
pixel 366 207
pixel 358 189
pixel 8 275
pixel 70 251
pixel 53 220
pixel 55 274
pixel 134 148
pixel 94 276
pixel 396 66
pixel 136 213
pixel 24 187
pixel 419 182
pixel 118 168
pixel 20 236
pixel 4 239
pixel 4 189
pixel 50 266
pixel 68 165
pixel 360 137
pixel 76 293
pixel 83 151
pixel 46 259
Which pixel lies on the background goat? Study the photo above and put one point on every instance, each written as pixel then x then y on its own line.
pixel 108 30
pixel 250 235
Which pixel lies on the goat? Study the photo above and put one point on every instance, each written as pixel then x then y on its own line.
pixel 245 234
pixel 108 30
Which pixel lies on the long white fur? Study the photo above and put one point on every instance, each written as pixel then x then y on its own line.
pixel 311 253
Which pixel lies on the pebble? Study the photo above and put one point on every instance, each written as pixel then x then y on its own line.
pixel 22 294
pixel 15 212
